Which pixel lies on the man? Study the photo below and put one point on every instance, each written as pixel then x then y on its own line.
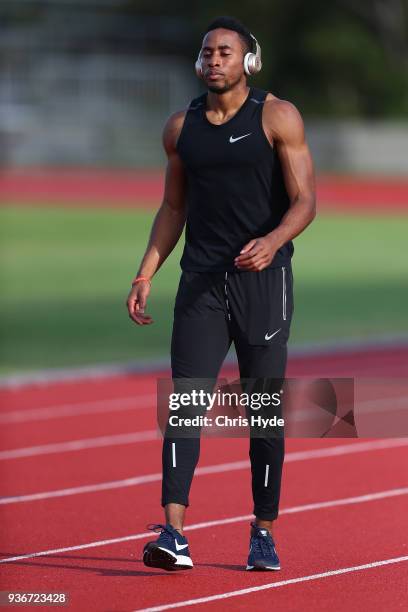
pixel 240 176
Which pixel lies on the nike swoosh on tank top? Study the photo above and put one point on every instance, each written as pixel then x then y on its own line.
pixel 235 186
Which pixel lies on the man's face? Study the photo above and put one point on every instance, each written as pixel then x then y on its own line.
pixel 222 56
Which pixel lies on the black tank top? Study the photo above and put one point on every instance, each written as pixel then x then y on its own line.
pixel 235 187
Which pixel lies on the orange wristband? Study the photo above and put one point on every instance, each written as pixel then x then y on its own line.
pixel 141 278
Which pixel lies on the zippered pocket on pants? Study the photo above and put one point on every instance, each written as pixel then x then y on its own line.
pixel 284 293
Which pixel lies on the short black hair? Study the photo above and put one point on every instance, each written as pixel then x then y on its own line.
pixel 231 23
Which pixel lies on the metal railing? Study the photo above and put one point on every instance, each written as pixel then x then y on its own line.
pixel 58 109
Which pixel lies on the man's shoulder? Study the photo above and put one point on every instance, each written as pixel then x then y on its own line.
pixel 175 120
pixel 174 124
pixel 172 129
pixel 280 109
pixel 281 115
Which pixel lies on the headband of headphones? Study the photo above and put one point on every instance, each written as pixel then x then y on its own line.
pixel 252 60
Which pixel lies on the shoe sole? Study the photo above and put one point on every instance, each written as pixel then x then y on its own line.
pixel 262 568
pixel 155 556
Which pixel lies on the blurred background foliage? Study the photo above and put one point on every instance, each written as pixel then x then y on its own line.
pixel 333 59
pixel 325 56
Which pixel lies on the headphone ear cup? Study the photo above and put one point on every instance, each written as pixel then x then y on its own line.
pixel 251 64
pixel 252 61
pixel 198 66
pixel 248 61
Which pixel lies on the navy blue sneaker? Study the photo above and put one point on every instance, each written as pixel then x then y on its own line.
pixel 262 551
pixel 170 550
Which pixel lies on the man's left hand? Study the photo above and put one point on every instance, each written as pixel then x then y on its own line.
pixel 257 254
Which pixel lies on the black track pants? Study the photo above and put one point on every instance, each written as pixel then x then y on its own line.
pixel 253 310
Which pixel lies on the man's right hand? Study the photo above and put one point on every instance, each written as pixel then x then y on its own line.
pixel 136 303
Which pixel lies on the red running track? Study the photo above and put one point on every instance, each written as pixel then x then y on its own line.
pixel 125 188
pixel 342 533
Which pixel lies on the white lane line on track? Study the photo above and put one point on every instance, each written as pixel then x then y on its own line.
pixel 345 501
pixel 149 401
pixel 118 404
pixel 274 585
pixel 77 445
pixel 84 443
pixel 319 453
pixel 118 484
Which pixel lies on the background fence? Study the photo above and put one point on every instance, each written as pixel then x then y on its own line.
pixel 91 82
pixel 60 109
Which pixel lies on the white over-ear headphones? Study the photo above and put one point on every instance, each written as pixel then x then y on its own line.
pixel 252 60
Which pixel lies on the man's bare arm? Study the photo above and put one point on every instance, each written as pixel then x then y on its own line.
pixel 285 128
pixel 170 218
pixel 168 223
pixel 297 165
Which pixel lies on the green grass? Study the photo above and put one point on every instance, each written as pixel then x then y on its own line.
pixel 65 277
